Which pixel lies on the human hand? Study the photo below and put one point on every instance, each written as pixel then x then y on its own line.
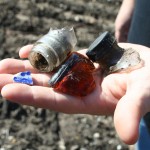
pixel 123 20
pixel 126 95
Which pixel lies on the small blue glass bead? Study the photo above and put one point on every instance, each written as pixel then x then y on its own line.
pixel 23 77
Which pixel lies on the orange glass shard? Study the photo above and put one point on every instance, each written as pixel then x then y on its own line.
pixel 74 77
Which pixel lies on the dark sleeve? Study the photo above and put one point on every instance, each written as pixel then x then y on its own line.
pixel 140 26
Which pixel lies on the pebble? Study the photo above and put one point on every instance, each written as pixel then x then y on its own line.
pixel 96 135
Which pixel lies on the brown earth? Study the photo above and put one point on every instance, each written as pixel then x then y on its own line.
pixel 27 128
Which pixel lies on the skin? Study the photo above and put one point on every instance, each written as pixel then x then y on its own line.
pixel 126 96
pixel 123 20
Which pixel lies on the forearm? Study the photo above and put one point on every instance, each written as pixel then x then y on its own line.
pixel 127 7
pixel 123 20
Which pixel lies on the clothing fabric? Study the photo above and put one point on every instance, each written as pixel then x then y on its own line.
pixel 139 32
pixel 144 138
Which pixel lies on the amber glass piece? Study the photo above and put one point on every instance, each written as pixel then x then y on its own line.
pixel 74 77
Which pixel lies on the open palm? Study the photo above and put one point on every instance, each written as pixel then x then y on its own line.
pixel 126 94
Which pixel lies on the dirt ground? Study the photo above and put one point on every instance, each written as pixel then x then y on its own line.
pixel 26 128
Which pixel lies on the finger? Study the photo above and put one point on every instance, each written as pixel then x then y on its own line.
pixel 127 117
pixel 25 50
pixel 10 65
pixel 38 79
pixel 42 97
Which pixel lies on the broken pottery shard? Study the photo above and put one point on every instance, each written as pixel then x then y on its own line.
pixel 112 58
pixel 23 77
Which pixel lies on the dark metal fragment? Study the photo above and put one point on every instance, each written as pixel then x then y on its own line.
pixel 112 58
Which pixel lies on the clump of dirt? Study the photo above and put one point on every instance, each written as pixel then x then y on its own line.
pixel 28 128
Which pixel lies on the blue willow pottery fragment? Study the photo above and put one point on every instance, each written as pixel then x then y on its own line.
pixel 23 77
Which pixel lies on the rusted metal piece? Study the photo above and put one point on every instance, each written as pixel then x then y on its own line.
pixel 52 49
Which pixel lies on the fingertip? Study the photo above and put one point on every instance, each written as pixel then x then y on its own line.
pixel 24 51
pixel 4 91
pixel 3 65
pixel 9 65
pixel 14 91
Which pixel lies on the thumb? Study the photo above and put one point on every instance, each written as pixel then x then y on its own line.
pixel 127 117
pixel 25 50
